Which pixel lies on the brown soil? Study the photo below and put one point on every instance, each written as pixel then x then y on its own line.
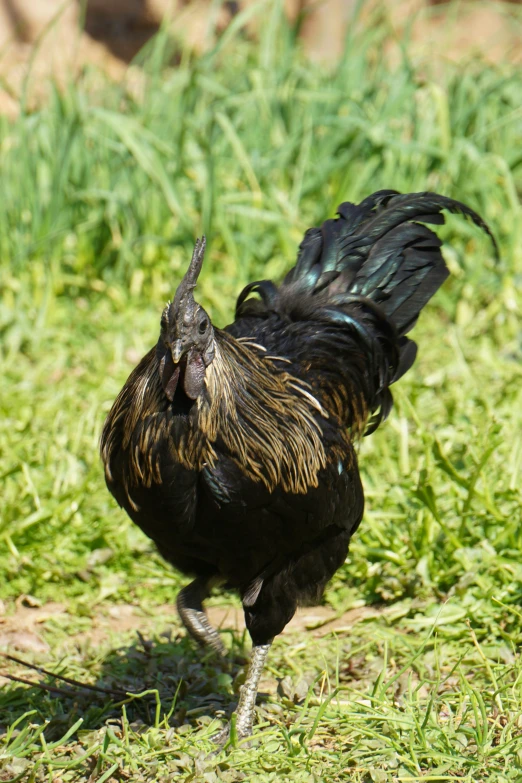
pixel 24 630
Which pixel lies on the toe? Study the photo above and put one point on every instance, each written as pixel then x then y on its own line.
pixel 237 737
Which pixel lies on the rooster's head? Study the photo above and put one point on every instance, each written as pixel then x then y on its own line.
pixel 186 345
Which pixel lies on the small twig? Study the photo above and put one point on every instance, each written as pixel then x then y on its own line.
pixel 68 680
pixel 50 688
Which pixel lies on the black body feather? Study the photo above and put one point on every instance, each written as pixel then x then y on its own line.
pixel 256 481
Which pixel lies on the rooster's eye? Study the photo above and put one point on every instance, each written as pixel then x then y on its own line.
pixel 203 325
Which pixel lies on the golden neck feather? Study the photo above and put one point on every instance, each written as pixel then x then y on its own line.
pixel 265 419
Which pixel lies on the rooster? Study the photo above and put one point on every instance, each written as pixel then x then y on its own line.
pixel 234 449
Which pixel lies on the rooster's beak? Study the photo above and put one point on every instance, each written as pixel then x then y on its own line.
pixel 176 350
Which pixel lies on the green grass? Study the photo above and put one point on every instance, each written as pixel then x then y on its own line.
pixel 103 190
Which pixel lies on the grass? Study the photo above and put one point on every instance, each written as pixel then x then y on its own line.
pixel 104 189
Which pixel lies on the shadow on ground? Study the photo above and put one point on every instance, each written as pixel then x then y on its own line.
pixel 168 678
pixel 183 682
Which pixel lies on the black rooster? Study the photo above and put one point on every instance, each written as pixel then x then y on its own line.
pixel 234 449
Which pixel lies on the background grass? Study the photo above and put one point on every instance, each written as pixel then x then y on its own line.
pixel 103 190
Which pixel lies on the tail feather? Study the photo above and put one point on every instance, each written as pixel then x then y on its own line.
pixel 402 272
pixel 358 286
pixel 381 249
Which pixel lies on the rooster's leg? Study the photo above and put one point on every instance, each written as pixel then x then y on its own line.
pixel 247 697
pixel 192 614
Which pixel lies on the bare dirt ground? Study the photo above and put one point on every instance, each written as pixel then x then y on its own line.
pixel 46 37
pixel 24 630
pixel 23 633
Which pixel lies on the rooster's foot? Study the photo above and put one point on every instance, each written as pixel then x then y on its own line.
pixel 193 616
pixel 240 735
pixel 243 718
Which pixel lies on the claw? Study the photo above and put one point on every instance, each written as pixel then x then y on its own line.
pixel 192 614
pixel 231 735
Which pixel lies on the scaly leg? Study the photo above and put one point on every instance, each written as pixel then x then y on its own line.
pixel 190 609
pixel 247 696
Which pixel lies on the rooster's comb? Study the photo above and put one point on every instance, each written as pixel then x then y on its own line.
pixel 184 297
